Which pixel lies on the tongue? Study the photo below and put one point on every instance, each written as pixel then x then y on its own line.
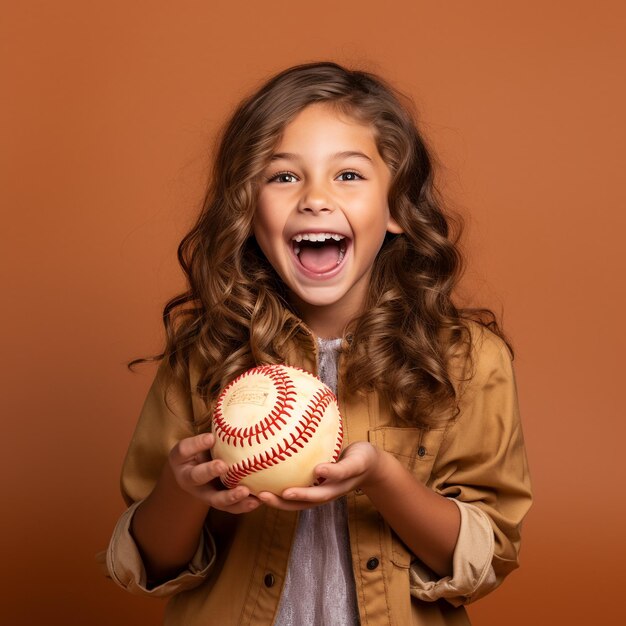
pixel 319 259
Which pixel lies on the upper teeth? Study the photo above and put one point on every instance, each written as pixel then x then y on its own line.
pixel 318 237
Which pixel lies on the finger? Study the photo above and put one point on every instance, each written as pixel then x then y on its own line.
pixel 277 502
pixel 314 495
pixel 206 472
pixel 324 470
pixel 245 506
pixel 186 449
pixel 228 500
pixel 342 470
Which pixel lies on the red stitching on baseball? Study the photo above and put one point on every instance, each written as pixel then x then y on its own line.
pixel 286 395
pixel 306 427
pixel 339 441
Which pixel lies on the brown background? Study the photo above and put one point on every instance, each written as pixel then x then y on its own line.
pixel 109 109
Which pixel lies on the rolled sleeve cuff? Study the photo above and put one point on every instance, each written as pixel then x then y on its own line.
pixel 472 573
pixel 126 568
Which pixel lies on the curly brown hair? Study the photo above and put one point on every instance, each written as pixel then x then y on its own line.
pixel 234 314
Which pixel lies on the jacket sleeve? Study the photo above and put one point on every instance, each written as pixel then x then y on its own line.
pixel 482 467
pixel 166 418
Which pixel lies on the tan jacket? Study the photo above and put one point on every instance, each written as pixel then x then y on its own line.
pixel 478 460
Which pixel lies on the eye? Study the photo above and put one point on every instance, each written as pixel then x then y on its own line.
pixel 283 177
pixel 349 176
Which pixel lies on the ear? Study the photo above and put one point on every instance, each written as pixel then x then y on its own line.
pixel 393 226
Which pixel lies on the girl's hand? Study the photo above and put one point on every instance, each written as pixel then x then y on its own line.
pixel 197 474
pixel 356 468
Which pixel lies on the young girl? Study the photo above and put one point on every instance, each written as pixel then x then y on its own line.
pixel 321 244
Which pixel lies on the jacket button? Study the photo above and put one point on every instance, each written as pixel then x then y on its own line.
pixel 269 580
pixel 372 563
pixel 421 451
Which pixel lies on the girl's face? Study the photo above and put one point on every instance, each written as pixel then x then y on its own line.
pixel 322 214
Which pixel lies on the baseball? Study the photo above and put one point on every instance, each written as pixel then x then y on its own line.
pixel 273 424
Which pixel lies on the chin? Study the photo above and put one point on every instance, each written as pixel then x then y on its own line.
pixel 317 302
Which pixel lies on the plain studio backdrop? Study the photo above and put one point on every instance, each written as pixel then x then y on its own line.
pixel 109 113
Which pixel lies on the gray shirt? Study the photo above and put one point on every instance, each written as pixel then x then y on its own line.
pixel 319 587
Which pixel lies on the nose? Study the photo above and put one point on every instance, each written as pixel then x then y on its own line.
pixel 316 198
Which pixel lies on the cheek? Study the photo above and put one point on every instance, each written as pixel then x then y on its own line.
pixel 373 213
pixel 267 230
pixel 261 220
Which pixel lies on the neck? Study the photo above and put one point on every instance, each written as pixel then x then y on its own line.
pixel 324 322
pixel 330 320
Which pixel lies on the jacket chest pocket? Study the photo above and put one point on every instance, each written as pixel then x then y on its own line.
pixel 416 449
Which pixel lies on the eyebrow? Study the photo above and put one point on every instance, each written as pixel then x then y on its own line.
pixel 338 155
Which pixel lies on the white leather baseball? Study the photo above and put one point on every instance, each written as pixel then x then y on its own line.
pixel 273 424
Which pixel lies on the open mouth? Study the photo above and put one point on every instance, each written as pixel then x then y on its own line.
pixel 319 253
